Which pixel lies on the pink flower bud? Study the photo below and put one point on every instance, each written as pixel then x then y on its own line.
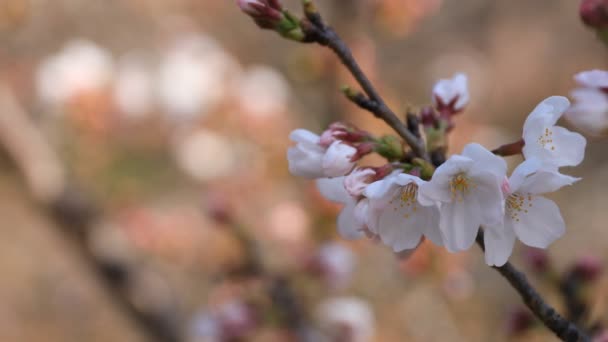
pixel 588 267
pixel 518 321
pixel 594 13
pixel 344 132
pixel 266 13
pixel 428 117
pixel 537 259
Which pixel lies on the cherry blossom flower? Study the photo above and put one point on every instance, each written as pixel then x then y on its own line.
pixel 549 143
pixel 530 217
pixel 589 112
pixel 311 160
pixel 467 190
pixel 356 217
pixel 451 95
pixel 593 79
pixel 402 221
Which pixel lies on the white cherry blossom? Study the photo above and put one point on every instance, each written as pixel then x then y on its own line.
pixel 310 160
pixel 451 94
pixel 589 112
pixel 530 217
pixel 549 143
pixel 467 190
pixel 402 220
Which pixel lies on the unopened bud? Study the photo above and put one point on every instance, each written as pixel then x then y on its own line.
pixel 594 13
pixel 270 14
pixel 390 147
pixel 518 321
pixel 428 117
pixel 588 268
pixel 343 131
pixel 537 259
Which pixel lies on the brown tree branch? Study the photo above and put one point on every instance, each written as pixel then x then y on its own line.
pixel 316 31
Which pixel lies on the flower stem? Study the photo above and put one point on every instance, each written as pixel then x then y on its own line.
pixel 561 327
pixel 318 32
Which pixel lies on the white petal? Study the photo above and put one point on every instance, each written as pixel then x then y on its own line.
pixel 489 197
pixel 337 159
pixel 548 112
pixel 307 165
pixel 485 160
pixel 589 111
pixel 348 227
pixel 400 227
pixel 522 171
pixel 499 243
pixel 541 225
pixel 431 229
pixel 459 222
pixel 569 147
pixel 545 181
pixel 304 136
pixel 333 189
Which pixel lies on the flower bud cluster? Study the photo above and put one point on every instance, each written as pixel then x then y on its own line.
pixel 398 204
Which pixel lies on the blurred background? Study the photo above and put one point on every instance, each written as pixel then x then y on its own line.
pixel 144 191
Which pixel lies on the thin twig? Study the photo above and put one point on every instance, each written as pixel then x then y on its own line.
pixel 318 32
pixel 563 328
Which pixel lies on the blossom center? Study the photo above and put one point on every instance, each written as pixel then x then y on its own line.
pixel 406 200
pixel 518 204
pixel 460 185
pixel 546 140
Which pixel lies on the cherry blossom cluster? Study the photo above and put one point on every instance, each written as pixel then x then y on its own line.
pixel 407 200
pixel 590 110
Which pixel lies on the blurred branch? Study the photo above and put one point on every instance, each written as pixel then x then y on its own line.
pixel 563 328
pixel 280 291
pixel 73 211
pixel 317 31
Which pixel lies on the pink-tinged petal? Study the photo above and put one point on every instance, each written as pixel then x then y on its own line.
pixel 348 227
pixel 379 189
pixel 499 242
pixel 356 182
pixel 485 160
pixel 333 189
pixel 547 112
pixel 459 222
pixel 569 147
pixel 539 223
